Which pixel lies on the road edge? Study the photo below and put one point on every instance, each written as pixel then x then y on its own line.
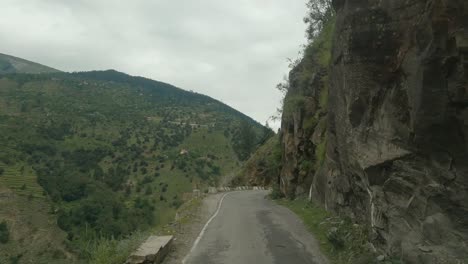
pixel 202 232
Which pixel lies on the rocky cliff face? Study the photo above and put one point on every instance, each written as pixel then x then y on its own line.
pixel 397 127
pixel 304 120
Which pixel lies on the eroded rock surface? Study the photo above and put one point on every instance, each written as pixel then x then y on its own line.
pixel 397 133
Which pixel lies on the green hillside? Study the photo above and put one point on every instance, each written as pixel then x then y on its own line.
pixel 263 166
pixel 10 64
pixel 110 153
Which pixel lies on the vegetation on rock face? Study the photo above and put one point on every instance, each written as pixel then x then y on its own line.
pixel 292 103
pixel 313 60
pixel 305 107
pixel 111 153
pixel 305 104
pixel 320 13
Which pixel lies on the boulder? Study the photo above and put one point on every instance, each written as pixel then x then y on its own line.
pixel 152 251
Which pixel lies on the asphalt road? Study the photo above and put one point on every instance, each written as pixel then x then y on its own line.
pixel 249 229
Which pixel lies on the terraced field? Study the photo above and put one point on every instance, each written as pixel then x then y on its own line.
pixel 22 180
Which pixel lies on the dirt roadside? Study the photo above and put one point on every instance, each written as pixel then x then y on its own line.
pixel 189 227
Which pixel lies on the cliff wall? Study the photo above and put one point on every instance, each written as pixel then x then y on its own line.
pixel 394 128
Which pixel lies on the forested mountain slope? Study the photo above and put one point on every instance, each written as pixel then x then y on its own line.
pixel 263 167
pixel 104 154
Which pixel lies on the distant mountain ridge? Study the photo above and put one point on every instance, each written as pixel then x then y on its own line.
pixel 150 84
pixel 11 64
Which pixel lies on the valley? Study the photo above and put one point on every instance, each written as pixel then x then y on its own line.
pixel 104 154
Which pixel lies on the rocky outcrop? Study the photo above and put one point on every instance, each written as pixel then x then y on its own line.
pixel 397 133
pixel 304 119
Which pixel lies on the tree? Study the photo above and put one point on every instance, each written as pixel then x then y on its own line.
pixel 267 133
pixel 98 173
pixel 148 190
pixel 246 141
pixel 320 12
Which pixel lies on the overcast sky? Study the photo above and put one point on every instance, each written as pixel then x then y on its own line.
pixel 234 51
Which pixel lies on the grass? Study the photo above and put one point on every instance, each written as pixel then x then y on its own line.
pixel 340 240
pixel 320 48
pixel 76 142
pixel 33 233
pixel 323 99
pixel 325 41
pixel 320 152
pixel 107 251
pixel 187 208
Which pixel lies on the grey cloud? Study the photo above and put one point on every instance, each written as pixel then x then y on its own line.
pixel 234 51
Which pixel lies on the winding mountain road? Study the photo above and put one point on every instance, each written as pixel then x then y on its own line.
pixel 247 228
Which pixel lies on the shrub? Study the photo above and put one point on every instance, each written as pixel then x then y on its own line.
pixel 306 165
pixel 148 190
pixel 176 203
pixel 336 238
pixel 147 179
pixel 109 250
pixel 4 233
pixel 276 193
pixel 293 103
pixel 15 259
pixel 216 170
pixel 310 123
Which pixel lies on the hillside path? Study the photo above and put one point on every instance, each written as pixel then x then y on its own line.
pixel 247 228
